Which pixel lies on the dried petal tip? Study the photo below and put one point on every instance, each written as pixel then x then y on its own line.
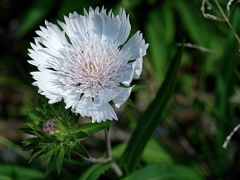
pixel 84 64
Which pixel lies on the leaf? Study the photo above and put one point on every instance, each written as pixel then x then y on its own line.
pixel 27 130
pixel 161 172
pixel 68 151
pixel 51 166
pixel 91 128
pixel 34 16
pixel 130 102
pixel 60 160
pixel 36 153
pixel 47 155
pixel 31 140
pixel 138 87
pixel 80 135
pixel 61 127
pixel 29 125
pixel 150 118
pixel 93 172
pixel 56 149
pixel 19 173
pixel 31 146
pixel 156 153
pixel 34 118
pixel 160 35
pixel 81 150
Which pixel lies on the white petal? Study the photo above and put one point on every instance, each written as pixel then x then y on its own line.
pixel 127 74
pixel 52 38
pixel 122 96
pixel 134 44
pixel 132 70
pixel 125 27
pixel 106 96
pixel 137 66
pixel 48 83
pixel 71 98
pixel 86 107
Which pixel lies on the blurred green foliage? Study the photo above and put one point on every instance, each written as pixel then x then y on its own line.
pixel 190 132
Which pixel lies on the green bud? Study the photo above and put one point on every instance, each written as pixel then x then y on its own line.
pixel 50 127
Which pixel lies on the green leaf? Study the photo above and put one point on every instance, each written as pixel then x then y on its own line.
pixel 160 35
pixel 27 130
pixel 56 149
pixel 81 150
pixel 29 125
pixel 51 165
pixel 58 136
pixel 130 102
pixel 31 140
pixel 80 135
pixel 150 118
pixel 34 16
pixel 156 153
pixel 60 160
pixel 68 151
pixel 161 172
pixel 31 146
pixel 34 118
pixel 137 87
pixel 93 172
pixel 19 173
pixel 61 127
pixel 36 153
pixel 91 128
pixel 47 155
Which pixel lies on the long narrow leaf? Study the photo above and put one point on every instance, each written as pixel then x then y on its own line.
pixel 150 118
pixel 91 128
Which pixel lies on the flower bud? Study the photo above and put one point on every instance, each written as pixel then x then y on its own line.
pixel 50 127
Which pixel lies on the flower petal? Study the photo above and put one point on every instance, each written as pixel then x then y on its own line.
pixel 134 44
pixel 122 96
pixel 49 84
pixel 86 107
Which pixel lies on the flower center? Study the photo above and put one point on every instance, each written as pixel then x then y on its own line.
pixel 93 68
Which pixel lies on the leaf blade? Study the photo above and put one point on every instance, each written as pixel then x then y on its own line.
pixel 144 129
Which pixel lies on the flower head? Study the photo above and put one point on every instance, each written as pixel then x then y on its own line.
pixel 81 62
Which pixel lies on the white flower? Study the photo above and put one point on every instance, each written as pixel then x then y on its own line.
pixel 83 63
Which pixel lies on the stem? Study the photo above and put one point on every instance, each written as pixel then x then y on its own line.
pixel 227 21
pixel 115 167
pixel 108 143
